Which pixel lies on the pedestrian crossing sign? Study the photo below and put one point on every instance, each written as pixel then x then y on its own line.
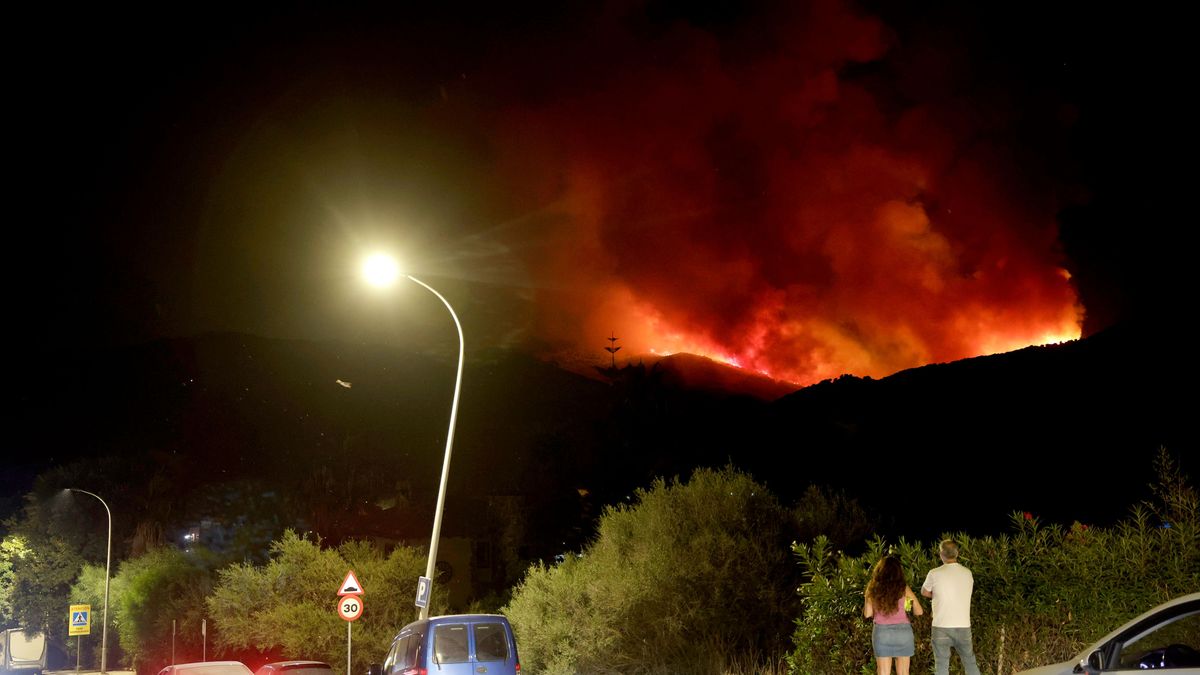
pixel 80 620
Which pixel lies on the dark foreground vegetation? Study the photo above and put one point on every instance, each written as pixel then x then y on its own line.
pixel 689 576
pixel 1042 591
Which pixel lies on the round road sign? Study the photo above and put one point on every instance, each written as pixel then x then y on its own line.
pixel 350 607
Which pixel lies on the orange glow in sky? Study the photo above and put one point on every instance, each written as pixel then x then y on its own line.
pixel 777 214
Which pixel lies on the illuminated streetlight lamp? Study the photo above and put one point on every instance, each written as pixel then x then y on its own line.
pixel 107 567
pixel 381 270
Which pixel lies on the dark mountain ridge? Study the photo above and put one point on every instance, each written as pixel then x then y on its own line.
pixel 1065 431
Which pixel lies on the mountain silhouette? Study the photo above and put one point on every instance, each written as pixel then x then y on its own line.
pixel 1064 431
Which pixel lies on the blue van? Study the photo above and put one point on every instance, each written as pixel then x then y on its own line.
pixel 455 644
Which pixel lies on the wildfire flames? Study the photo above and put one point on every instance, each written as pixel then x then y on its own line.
pixel 804 197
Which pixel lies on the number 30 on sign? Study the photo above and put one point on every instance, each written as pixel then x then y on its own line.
pixel 350 607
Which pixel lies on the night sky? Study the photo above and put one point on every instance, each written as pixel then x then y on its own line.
pixel 805 189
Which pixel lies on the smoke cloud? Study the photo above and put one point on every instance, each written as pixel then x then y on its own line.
pixel 798 192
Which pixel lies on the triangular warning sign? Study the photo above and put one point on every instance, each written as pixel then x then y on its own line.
pixel 79 619
pixel 350 585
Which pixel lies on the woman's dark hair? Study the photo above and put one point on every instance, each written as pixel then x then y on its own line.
pixel 887 585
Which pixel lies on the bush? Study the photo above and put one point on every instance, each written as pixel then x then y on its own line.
pixel 150 596
pixel 685 575
pixel 1035 600
pixel 288 605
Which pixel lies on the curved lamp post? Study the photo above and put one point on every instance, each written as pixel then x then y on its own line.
pixel 107 567
pixel 381 270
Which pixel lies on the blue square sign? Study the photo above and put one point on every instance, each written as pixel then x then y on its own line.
pixel 424 587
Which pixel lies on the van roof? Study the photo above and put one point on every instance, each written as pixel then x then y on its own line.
pixel 453 618
pixel 465 617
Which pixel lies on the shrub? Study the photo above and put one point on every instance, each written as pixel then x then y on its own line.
pixel 293 598
pixel 673 582
pixel 1035 600
pixel 146 595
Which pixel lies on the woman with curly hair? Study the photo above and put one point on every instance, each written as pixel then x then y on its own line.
pixel 887 600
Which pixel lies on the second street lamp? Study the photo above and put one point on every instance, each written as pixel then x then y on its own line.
pixel 381 270
pixel 107 568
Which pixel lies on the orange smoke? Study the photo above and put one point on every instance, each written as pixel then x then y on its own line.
pixel 754 198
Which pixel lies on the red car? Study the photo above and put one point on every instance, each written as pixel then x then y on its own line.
pixel 295 668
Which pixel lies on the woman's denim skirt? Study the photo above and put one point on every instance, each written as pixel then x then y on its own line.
pixel 892 639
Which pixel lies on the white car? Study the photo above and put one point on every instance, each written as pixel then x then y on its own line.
pixel 207 668
pixel 1165 638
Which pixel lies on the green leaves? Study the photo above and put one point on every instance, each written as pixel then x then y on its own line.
pixel 288 604
pixel 41 578
pixel 686 574
pixel 12 549
pixel 1042 592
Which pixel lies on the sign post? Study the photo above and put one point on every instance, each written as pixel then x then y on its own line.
pixel 349 607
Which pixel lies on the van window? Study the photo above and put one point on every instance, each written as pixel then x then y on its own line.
pixel 389 663
pixel 491 642
pixel 26 646
pixel 450 643
pixel 403 653
pixel 410 653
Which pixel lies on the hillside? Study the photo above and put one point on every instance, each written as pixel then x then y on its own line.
pixel 1063 431
pixel 965 442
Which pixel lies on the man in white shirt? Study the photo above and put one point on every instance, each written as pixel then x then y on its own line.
pixel 950 587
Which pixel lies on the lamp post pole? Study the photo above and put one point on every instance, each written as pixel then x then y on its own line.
pixel 431 564
pixel 107 568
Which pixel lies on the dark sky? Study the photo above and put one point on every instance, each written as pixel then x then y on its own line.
pixel 802 188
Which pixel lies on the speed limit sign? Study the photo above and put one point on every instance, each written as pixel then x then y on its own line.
pixel 350 607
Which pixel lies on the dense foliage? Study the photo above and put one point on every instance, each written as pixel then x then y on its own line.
pixel 156 604
pixel 12 548
pixel 288 605
pixel 688 577
pixel 673 582
pixel 1042 592
pixel 43 570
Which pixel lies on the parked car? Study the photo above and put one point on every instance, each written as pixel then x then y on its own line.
pixel 455 644
pixel 295 668
pixel 207 668
pixel 1164 638
pixel 28 652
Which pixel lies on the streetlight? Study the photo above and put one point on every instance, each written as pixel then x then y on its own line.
pixel 381 270
pixel 107 567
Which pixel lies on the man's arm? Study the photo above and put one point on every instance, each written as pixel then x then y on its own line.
pixel 926 592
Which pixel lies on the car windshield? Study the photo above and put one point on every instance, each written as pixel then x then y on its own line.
pixel 214 669
pixel 307 670
pixel 310 669
pixel 1171 645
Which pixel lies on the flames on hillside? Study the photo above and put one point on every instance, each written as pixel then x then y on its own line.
pixel 802 196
